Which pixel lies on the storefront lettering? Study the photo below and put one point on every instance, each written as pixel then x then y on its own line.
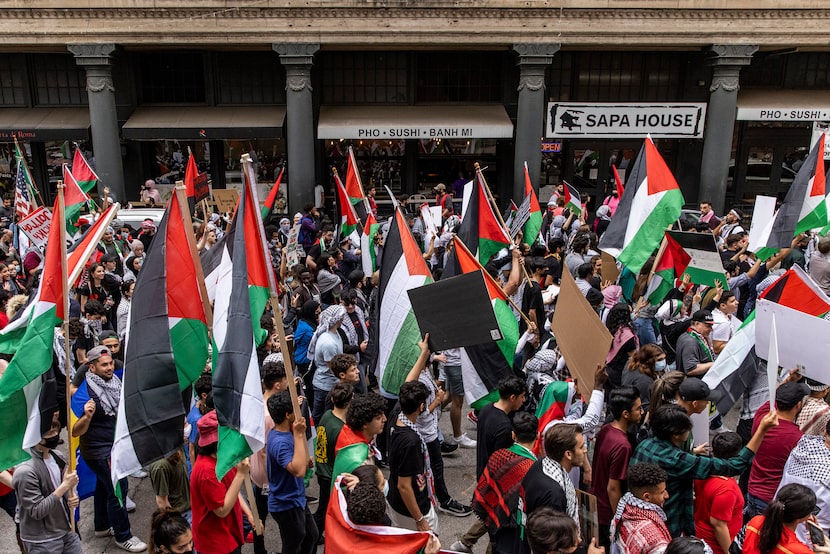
pixel 804 115
pixel 25 135
pixel 771 113
pixel 607 120
pixel 416 132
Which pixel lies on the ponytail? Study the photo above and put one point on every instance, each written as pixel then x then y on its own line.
pixel 166 529
pixel 665 389
pixel 793 502
pixel 773 527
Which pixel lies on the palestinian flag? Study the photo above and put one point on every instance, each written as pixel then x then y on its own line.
pixel 553 405
pixel 83 172
pixel 87 244
pixel 354 189
pixel 692 253
pixel 804 207
pixel 348 217
pixel 351 451
pixel 345 537
pixel 510 218
pixel 402 268
pixel 368 253
pixel 573 200
pixel 736 366
pixel 533 225
pixel 484 365
pixel 32 335
pixel 651 202
pixel 166 350
pixel 237 390
pixel 618 182
pixel 74 197
pixel 272 196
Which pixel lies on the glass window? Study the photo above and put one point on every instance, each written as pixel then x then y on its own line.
pixel 8 166
pixel 365 77
pixel 268 156
pixel 12 80
pixel 62 152
pixel 170 159
pixel 250 78
pixel 58 80
pixel 380 162
pixel 808 70
pixel 457 147
pixel 172 77
pixel 459 77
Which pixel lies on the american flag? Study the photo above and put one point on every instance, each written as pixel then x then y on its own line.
pixel 22 202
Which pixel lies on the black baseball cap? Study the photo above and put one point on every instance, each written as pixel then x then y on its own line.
pixel 703 316
pixel 790 394
pixel 692 389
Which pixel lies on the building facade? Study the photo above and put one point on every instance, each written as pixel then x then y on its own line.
pixel 732 92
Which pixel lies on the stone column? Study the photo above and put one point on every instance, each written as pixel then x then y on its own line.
pixel 530 120
pixel 97 60
pixel 726 61
pixel 297 60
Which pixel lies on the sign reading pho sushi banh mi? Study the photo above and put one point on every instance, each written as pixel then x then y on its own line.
pixel 626 120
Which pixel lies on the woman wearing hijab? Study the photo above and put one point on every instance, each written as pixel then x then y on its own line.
pixel 602 220
pixel 325 344
pixel 355 334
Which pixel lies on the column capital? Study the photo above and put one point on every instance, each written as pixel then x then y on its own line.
pixel 92 54
pixel 296 53
pixel 535 53
pixel 726 61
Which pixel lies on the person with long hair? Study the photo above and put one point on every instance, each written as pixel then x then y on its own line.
pixel 645 366
pixel 170 533
pixel 625 342
pixel 774 531
pixel 7 283
pixel 94 288
pixel 665 389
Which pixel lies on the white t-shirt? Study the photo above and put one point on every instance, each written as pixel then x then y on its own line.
pixel 725 326
pixel 54 470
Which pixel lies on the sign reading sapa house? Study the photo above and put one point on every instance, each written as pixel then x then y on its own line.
pixel 630 120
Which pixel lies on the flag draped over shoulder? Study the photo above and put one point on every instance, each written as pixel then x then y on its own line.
pixel 237 391
pixel 348 217
pixel 736 366
pixel 345 537
pixel 83 172
pixel 351 451
pixel 695 254
pixel 166 351
pixel 29 338
pixel 368 253
pixel 402 268
pixel 651 202
pixel 484 365
pixel 553 405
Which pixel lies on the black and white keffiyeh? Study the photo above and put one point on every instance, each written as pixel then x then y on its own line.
pixel 557 473
pixel 108 392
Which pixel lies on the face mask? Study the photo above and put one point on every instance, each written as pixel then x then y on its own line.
pixel 52 442
pixel 385 488
pixel 660 365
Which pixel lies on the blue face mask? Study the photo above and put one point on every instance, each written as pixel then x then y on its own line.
pixel 660 365
pixel 386 488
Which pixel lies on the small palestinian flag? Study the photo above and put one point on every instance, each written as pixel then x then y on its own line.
pixel 352 450
pixel 480 229
pixel 368 252
pixel 533 225
pixel 651 202
pixel 271 200
pixel 573 200
pixel 75 198
pixel 354 189
pixel 348 217
pixel 83 172
pixel 693 253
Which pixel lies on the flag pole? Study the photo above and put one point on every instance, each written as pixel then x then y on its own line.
pixel 65 326
pixel 275 306
pixel 359 181
pixel 496 209
pixel 197 262
pixel 458 242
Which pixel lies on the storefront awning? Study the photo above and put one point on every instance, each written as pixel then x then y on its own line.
pixel 784 105
pixel 204 122
pixel 43 124
pixel 414 122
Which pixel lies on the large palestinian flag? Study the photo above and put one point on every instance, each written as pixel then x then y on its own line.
pixel 651 202
pixel 83 172
pixel 402 268
pixel 166 350
pixel 368 253
pixel 484 365
pixel 804 207
pixel 346 537
pixel 693 253
pixel 237 391
pixel 736 366
pixel 29 340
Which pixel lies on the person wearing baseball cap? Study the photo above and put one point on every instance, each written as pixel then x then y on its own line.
pixel 693 395
pixel 815 414
pixel 444 200
pixel 216 507
pixel 695 353
pixel 771 457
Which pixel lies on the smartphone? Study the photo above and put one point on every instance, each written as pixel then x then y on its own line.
pixel 816 533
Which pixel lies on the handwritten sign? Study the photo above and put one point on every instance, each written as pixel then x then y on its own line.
pixel 36 226
pixel 225 199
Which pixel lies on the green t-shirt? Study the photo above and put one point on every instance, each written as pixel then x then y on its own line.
pixel 328 429
pixel 171 481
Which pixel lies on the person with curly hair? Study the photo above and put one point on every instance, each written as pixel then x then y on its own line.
pixel 624 344
pixel 365 419
pixel 644 367
pixel 639 525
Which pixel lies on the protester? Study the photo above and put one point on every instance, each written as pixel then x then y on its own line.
pixel 774 531
pixel 719 503
pixel 623 345
pixel 455 388
pixel 645 366
pixel 170 533
pixel 325 344
pixel 328 431
pixel 815 412
pixel 695 352
pixel 171 484
pixel 552 532
pixel 726 322
pixel 639 524
pixel 365 419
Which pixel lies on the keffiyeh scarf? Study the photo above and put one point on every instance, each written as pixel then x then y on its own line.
pixel 330 316
pixel 557 473
pixel 108 392
pixel 427 466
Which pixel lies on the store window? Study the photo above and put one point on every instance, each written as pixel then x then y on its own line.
pixel 63 152
pixel 268 156
pixel 12 80
pixel 380 162
pixel 8 166
pixel 365 77
pixel 170 159
pixel 172 77
pixel 58 81
pixel 249 78
pixel 459 77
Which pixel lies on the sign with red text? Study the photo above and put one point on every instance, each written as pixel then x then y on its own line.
pixel 36 226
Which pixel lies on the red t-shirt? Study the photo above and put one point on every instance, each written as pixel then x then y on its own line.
pixel 613 450
pixel 789 543
pixel 768 465
pixel 212 534
pixel 719 497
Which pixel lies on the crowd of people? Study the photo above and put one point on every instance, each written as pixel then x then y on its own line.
pixel 657 488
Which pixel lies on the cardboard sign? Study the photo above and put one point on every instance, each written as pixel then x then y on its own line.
pixel 438 305
pixel 588 516
pixel 610 271
pixel 201 189
pixel 226 200
pixel 582 337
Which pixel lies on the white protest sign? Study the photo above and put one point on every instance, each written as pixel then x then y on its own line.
pixel 802 339
pixel 762 220
pixel 468 191
pixel 36 226
pixel 772 362
pixel 293 248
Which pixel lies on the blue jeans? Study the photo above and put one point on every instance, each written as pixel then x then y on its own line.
pixel 754 507
pixel 108 511
pixel 318 408
pixel 645 331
